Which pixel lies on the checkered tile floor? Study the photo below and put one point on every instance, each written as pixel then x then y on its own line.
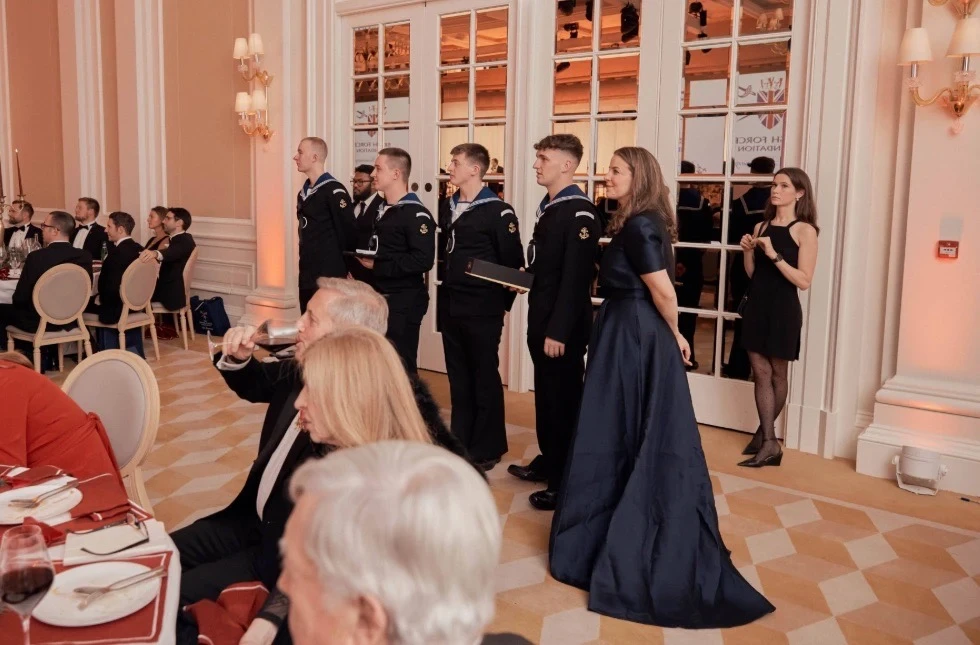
pixel 837 572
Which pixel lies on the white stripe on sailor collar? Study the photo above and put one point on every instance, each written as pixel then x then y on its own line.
pixel 541 211
pixel 313 189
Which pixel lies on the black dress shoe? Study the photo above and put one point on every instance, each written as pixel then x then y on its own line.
pixel 487 464
pixel 526 473
pixel 754 445
pixel 544 500
pixel 756 462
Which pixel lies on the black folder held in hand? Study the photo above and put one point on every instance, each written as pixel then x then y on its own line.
pixel 506 276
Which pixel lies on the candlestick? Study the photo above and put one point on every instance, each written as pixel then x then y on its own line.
pixel 20 178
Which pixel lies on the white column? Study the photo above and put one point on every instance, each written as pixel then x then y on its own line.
pixel 933 399
pixel 281 25
pixel 142 141
pixel 6 153
pixel 80 41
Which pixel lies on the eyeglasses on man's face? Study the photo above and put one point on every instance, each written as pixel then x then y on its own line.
pixel 360 182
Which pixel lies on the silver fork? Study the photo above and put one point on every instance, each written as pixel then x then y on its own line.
pixel 27 503
pixel 93 593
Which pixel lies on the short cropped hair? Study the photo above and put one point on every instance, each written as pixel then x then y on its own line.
pixel 401 159
pixel 63 221
pixel 565 142
pixel 123 220
pixel 357 305
pixel 367 169
pixel 410 525
pixel 762 166
pixel 475 153
pixel 183 215
pixel 319 146
pixel 688 168
pixel 91 203
pixel 26 207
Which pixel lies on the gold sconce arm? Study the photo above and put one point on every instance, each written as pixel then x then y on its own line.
pixel 921 102
pixel 250 68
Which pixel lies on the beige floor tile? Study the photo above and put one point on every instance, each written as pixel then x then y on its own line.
pixel 894 621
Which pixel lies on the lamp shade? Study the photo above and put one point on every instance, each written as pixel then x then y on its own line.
pixel 243 102
pixel 241 48
pixel 255 45
pixel 966 39
pixel 258 99
pixel 915 47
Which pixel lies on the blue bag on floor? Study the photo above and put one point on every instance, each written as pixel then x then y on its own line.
pixel 209 316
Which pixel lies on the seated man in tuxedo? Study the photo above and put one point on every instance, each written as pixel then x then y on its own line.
pixel 89 234
pixel 20 230
pixel 57 228
pixel 170 285
pixel 123 252
pixel 241 542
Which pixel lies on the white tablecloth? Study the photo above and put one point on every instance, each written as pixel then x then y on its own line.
pixel 7 288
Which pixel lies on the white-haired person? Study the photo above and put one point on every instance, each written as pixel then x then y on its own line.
pixel 391 543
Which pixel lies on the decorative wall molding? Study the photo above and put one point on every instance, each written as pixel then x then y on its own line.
pixel 6 153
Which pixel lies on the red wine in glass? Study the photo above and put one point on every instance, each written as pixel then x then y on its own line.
pixel 22 589
pixel 26 573
pixel 273 344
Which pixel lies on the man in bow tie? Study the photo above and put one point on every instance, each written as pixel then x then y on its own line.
pixel 20 230
pixel 88 234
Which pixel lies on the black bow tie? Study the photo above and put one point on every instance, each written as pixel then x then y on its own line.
pixel 85 226
pixel 20 228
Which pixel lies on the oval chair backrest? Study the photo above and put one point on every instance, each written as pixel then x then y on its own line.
pixel 121 388
pixel 138 283
pixel 189 274
pixel 62 293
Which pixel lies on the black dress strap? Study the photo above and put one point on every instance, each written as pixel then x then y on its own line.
pixel 792 224
pixel 762 230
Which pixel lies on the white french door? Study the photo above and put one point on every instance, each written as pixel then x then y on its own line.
pixel 426 77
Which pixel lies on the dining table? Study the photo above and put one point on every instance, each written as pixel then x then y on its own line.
pixel 8 283
pixel 154 623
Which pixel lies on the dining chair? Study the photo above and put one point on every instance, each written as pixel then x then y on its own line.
pixel 60 297
pixel 130 414
pixel 182 316
pixel 136 291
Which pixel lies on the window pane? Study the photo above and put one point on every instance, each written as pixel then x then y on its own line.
pixel 455 92
pixel 700 329
pixel 699 221
pixel 398 47
pixel 706 78
pixel 573 22
pixel 573 87
pixel 396 138
pixel 581 130
pixel 366 50
pixel 497 186
pixel 611 135
pixel 365 146
pixel 762 74
pixel 365 101
pixel 491 92
pixel 491 35
pixel 758 134
pixel 736 280
pixel 618 83
pixel 749 201
pixel 454 45
pixel 449 138
pixel 492 137
pixel 703 143
pixel 620 24
pixel 713 21
pixel 397 99
pixel 765 16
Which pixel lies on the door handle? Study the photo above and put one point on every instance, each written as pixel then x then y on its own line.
pixel 428 187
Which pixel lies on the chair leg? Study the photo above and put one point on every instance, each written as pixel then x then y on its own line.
pixel 153 335
pixel 61 357
pixel 78 352
pixel 37 359
pixel 183 335
pixel 10 344
pixel 177 322
pixel 88 347
pixel 122 339
pixel 190 323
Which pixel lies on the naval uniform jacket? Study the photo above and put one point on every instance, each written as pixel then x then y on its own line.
pixel 486 230
pixel 325 213
pixel 406 251
pixel 561 255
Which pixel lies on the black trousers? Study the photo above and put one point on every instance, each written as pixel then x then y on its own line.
pixel 471 344
pixel 689 295
pixel 405 314
pixel 558 386
pixel 214 553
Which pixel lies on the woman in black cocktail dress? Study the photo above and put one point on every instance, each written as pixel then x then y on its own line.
pixel 636 524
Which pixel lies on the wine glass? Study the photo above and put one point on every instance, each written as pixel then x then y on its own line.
pixel 272 335
pixel 26 573
pixel 16 257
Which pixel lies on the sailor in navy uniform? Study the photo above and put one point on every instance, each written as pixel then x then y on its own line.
pixel 695 224
pixel 20 230
pixel 405 234
pixel 476 224
pixel 561 256
pixel 325 214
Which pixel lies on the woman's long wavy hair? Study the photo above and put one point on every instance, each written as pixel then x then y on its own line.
pixel 648 191
pixel 806 206
pixel 359 392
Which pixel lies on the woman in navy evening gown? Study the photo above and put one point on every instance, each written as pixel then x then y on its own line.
pixel 636 524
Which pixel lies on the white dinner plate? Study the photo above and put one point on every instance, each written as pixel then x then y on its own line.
pixel 60 606
pixel 56 505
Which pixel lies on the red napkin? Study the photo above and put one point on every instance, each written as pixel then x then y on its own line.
pixel 32 475
pixel 227 620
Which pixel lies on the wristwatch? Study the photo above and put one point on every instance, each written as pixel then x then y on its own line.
pixel 778 258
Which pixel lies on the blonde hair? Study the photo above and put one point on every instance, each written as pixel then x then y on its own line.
pixel 16 358
pixel 648 191
pixel 359 389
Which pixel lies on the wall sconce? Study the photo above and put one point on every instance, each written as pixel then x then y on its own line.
pixel 253 108
pixel 962 94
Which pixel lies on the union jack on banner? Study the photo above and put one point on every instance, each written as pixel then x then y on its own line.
pixel 772 93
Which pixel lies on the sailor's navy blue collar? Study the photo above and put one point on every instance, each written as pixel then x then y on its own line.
pixel 565 194
pixel 409 198
pixel 309 188
pixel 484 196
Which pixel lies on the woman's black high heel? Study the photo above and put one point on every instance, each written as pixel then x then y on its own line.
pixel 759 462
pixel 755 444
